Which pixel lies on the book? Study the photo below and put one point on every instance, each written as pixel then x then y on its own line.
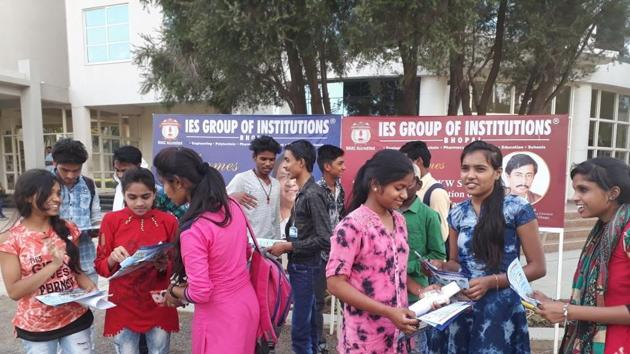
pixel 519 283
pixel 96 299
pixel 143 257
pixel 443 277
pixel 442 317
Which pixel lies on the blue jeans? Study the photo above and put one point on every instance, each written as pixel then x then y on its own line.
pixel 77 343
pixel 158 341
pixel 304 336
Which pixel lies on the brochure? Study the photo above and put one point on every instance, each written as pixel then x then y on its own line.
pixel 96 299
pixel 143 257
pixel 442 296
pixel 265 242
pixel 443 316
pixel 443 277
pixel 518 282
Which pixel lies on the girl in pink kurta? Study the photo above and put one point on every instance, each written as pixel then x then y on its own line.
pixel 367 268
pixel 211 269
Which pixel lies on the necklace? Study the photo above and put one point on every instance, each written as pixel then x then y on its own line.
pixel 267 194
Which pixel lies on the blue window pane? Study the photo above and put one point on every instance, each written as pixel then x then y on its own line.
pixel 96 17
pixel 118 33
pixel 119 51
pixel 97 54
pixel 117 14
pixel 96 36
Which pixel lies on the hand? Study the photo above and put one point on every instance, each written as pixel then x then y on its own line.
pixel 551 310
pixel 432 287
pixel 404 319
pixel 171 301
pixel 538 295
pixel 58 254
pixel 245 199
pixel 279 248
pixel 161 262
pixel 90 287
pixel 478 287
pixel 439 264
pixel 118 255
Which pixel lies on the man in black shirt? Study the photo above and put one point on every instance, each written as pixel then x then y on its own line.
pixel 308 233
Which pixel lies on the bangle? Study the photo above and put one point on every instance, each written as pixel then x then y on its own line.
pixel 565 313
pixel 170 291
pixel 496 278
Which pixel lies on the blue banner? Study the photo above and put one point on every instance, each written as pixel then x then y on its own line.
pixel 223 140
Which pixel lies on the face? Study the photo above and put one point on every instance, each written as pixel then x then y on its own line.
pixel 413 188
pixel 175 191
pixel 52 204
pixel 69 172
pixel 394 194
pixel 121 167
pixel 139 198
pixel 336 168
pixel 591 199
pixel 477 175
pixel 289 189
pixel 264 162
pixel 520 180
pixel 292 165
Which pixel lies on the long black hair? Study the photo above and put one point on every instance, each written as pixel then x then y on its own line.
pixel 488 238
pixel 385 167
pixel 207 191
pixel 38 184
pixel 606 172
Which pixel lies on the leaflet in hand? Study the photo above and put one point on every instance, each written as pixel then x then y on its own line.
pixel 96 299
pixel 144 256
pixel 518 282
pixel 443 316
pixel 442 296
pixel 443 277
pixel 265 242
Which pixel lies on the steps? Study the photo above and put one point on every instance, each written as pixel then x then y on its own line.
pixel 576 230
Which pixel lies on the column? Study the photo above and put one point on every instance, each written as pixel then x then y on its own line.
pixel 433 95
pixel 578 129
pixel 32 121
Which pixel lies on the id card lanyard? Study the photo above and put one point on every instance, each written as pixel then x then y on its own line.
pixel 293 231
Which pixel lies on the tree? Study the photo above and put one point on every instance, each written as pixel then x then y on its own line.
pixel 244 53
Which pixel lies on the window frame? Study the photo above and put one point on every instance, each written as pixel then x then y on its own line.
pixel 106 26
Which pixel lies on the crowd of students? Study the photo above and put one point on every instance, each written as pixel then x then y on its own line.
pixel 364 250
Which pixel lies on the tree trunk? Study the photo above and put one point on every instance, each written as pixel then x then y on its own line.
pixel 297 97
pixel 310 68
pixel 482 107
pixel 539 103
pixel 324 78
pixel 409 58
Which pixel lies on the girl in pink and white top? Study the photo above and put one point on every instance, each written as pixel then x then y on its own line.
pixel 367 268
pixel 39 255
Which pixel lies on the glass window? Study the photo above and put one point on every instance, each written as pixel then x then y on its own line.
pixel 607 105
pixel 10 181
pixel 606 153
pixel 589 154
pixel 8 146
pixel 591 132
pixel 604 135
pixel 107 33
pixel 594 104
pixel 623 112
pixel 622 155
pixel 622 136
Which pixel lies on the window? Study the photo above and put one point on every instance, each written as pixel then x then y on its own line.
pixel 107 33
pixel 609 125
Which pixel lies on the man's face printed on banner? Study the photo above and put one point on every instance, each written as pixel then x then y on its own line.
pixel 520 180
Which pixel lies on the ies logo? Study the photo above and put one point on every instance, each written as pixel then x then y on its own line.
pixel 360 132
pixel 170 128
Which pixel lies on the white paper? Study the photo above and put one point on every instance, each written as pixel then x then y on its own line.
pixel 444 314
pixel 141 258
pixel 96 299
pixel 518 282
pixel 265 242
pixel 443 277
pixel 442 296
pixel 99 302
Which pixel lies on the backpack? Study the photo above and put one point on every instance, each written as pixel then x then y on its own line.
pixel 427 195
pixel 273 292
pixel 92 188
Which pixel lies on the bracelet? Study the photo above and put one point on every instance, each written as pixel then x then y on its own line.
pixel 565 313
pixel 496 278
pixel 170 291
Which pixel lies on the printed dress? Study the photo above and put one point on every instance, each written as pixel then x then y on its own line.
pixel 497 323
pixel 375 262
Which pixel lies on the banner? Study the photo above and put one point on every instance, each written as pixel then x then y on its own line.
pixel 223 140
pixel 538 144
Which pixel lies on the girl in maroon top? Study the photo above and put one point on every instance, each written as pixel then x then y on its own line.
pixel 122 233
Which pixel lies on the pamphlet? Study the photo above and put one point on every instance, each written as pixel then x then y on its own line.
pixel 443 277
pixel 440 297
pixel 442 317
pixel 265 242
pixel 144 256
pixel 518 282
pixel 96 299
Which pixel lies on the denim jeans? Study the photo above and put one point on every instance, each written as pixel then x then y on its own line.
pixel 319 286
pixel 158 341
pixel 304 336
pixel 77 343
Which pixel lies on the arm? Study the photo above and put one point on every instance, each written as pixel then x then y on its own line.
pixel 105 248
pixel 194 249
pixel 554 312
pixel 441 203
pixel 435 242
pixel 236 190
pixel 18 287
pixel 453 263
pixel 85 283
pixel 533 250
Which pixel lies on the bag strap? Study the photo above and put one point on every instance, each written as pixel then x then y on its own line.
pixel 427 196
pixel 92 188
pixel 249 226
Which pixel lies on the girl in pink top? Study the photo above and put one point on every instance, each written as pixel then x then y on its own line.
pixel 367 268
pixel 211 268
pixel 39 256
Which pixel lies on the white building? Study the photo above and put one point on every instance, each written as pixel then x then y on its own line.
pixel 66 70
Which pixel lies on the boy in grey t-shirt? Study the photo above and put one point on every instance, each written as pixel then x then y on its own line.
pixel 257 191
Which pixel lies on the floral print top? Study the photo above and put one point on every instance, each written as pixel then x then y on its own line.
pixel 375 262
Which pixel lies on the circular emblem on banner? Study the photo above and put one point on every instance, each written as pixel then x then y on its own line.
pixel 170 128
pixel 360 133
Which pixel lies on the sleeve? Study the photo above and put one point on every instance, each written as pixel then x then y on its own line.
pixel 171 226
pixel 235 185
pixel 345 245
pixel 435 244
pixel 452 219
pixel 194 249
pixel 95 213
pixel 441 203
pixel 320 241
pixel 75 233
pixel 524 214
pixel 105 247
pixel 10 245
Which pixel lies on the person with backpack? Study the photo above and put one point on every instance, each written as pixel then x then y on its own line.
pixel 80 203
pixel 210 267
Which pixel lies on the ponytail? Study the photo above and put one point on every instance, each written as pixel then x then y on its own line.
pixel 63 232
pixel 360 189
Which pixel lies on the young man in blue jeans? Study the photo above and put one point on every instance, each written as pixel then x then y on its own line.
pixel 308 231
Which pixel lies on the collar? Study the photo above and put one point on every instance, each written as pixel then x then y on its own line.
pixel 130 214
pixel 415 206
pixel 322 182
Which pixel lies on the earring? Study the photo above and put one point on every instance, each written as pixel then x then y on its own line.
pixel 375 189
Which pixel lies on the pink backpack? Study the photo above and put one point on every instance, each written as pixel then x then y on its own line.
pixel 273 291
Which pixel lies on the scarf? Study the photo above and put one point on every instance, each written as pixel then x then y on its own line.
pixel 591 281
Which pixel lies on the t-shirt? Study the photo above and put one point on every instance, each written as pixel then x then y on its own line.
pixel 265 217
pixel 32 249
